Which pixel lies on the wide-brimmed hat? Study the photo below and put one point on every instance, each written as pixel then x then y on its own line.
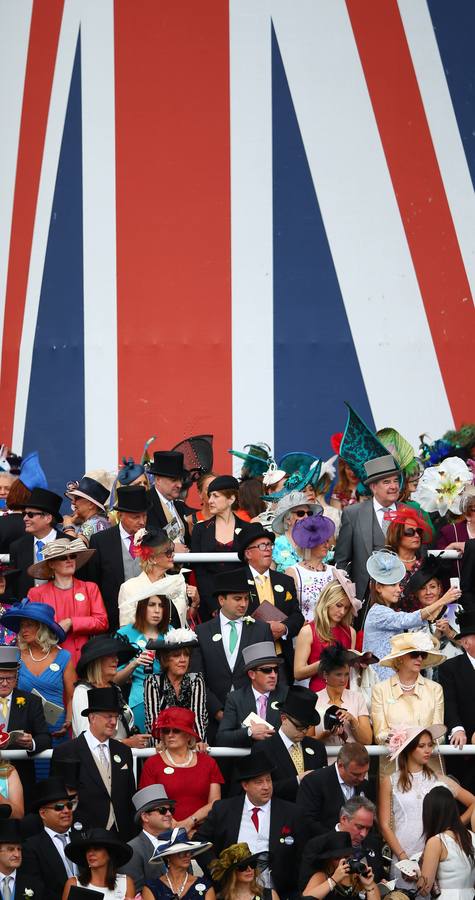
pixel 129 471
pixel 245 537
pixel 287 504
pixel 402 514
pixel 45 501
pixel 257 763
pixel 176 841
pixel 37 612
pixel 299 704
pixel 31 473
pixel 465 620
pixel 57 549
pixel 10 657
pixel 89 489
pixel 432 567
pixel 104 645
pixel 176 717
pixel 102 700
pixel 403 735
pixel 10 832
pixel 132 499
pixel 260 654
pixel 178 639
pixel 312 531
pixel 234 856
pixel 332 845
pixel 385 567
pixel 168 463
pixel 98 837
pixel 233 582
pixel 50 790
pixel 148 798
pixel 170 586
pixel 379 468
pixel 412 642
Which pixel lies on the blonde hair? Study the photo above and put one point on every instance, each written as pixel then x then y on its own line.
pixel 44 637
pixel 94 672
pixel 228 890
pixel 330 595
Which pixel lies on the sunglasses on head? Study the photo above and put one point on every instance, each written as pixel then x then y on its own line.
pixel 300 513
pixel 411 532
pixel 268 669
pixel 418 654
pixel 68 804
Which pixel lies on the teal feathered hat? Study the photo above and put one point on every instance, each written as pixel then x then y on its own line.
pixel 359 444
pixel 302 469
pixel 256 461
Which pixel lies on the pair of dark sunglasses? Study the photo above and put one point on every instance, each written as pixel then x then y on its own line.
pixel 68 804
pixel 243 867
pixel 163 810
pixel 300 513
pixel 66 556
pixel 31 515
pixel 268 669
pixel 418 654
pixel 170 730
pixel 411 532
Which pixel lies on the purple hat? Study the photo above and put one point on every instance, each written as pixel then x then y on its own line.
pixel 312 531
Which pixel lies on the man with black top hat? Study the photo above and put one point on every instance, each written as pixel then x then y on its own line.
pixel 364 525
pixel 68 771
pixel 167 511
pixel 21 711
pixel 261 696
pixel 106 776
pixel 43 854
pixel 154 811
pixel 254 546
pixel 258 818
pixel 40 515
pixel 293 753
pixel 457 678
pixel 115 558
pixel 222 640
pixel 14 882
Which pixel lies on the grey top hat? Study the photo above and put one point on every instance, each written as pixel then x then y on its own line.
pixel 380 467
pixel 9 657
pixel 149 798
pixel 259 654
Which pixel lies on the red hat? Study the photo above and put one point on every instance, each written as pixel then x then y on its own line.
pixel 407 513
pixel 175 717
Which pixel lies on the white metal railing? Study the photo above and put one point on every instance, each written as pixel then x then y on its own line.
pixel 180 557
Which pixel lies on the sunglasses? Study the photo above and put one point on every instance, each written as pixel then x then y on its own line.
pixel 66 556
pixel 163 810
pixel 68 804
pixel 168 553
pixel 411 532
pixel 243 867
pixel 170 731
pixel 417 654
pixel 267 669
pixel 31 515
pixel 300 513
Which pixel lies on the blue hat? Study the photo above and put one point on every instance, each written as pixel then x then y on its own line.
pixel 129 471
pixel 31 473
pixel 385 567
pixel 176 840
pixel 38 612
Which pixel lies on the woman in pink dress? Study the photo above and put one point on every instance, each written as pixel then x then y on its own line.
pixel 78 605
pixel 332 622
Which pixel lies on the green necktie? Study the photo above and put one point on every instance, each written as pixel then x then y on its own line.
pixel 233 637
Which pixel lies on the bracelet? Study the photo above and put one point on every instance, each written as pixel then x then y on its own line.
pixel 331 883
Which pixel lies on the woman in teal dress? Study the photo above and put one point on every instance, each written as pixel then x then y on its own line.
pixel 44 667
pixel 151 622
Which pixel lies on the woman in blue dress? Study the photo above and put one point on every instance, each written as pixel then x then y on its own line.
pixel 44 668
pixel 151 622
pixel 177 880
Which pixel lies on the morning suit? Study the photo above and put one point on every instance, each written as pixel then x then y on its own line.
pixel 285 775
pixel 26 714
pixel 203 540
pixel 24 883
pixel 360 534
pixel 285 599
pixel 22 555
pixel 94 799
pixel 239 704
pixel 222 825
pixel 139 867
pixel 107 568
pixel 319 801
pixel 43 861
pixel 157 518
pixel 457 678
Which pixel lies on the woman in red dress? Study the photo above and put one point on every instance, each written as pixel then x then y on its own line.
pixel 192 778
pixel 332 622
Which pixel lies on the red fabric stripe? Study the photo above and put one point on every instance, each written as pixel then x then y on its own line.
pixel 42 48
pixel 420 194
pixel 173 223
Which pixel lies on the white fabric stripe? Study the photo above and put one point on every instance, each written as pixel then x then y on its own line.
pixel 54 133
pixel 367 240
pixel 100 285
pixel 251 222
pixel 15 19
pixel 443 126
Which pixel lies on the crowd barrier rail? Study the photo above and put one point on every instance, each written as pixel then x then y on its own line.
pixel 220 752
pixel 180 557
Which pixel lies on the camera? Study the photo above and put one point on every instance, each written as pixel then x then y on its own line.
pixel 331 718
pixel 358 867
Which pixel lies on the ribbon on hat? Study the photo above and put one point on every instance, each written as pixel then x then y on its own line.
pixel 397 737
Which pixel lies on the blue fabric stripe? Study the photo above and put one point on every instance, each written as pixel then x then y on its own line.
pixel 55 412
pixel 454 27
pixel 315 363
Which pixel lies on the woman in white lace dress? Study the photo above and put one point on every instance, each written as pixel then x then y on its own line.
pixel 449 855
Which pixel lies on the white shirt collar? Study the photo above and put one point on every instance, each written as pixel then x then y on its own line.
pixel 51 536
pixel 3 877
pixel 471 659
pixel 225 621
pixel 123 533
pixel 286 740
pixel 154 840
pixel 379 506
pixel 258 694
pixel 250 806
pixel 164 500
pixel 340 779
pixel 52 833
pixel 255 574
pixel 93 742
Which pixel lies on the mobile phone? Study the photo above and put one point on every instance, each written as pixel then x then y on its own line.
pixel 455 583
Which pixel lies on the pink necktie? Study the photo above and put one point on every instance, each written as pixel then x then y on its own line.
pixel 262 706
pixel 132 548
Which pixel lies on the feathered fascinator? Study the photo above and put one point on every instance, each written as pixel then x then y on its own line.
pixel 403 514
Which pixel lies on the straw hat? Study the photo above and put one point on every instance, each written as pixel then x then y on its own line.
pixel 410 642
pixel 57 549
pixel 402 736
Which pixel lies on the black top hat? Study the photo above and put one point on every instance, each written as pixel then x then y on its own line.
pixel 254 531
pixel 68 770
pixel 168 463
pixel 98 837
pixel 102 700
pixel 299 704
pixel 223 483
pixel 49 791
pixel 10 832
pixel 465 622
pixel 104 645
pixel 233 582
pixel 132 499
pixel 432 567
pixel 46 501
pixel 258 763
pixel 90 489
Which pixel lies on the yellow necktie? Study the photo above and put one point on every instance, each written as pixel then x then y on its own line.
pixel 297 758
pixel 264 589
pixel 4 704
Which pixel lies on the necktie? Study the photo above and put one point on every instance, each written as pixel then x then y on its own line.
pixel 132 548
pixel 255 817
pixel 296 756
pixel 386 520
pixel 65 839
pixel 233 637
pixel 262 706
pixel 7 894
pixel 264 589
pixel 39 550
pixel 103 757
pixel 4 705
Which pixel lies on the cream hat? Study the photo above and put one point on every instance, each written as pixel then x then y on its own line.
pixel 410 642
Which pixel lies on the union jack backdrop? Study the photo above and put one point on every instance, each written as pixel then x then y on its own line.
pixel 228 216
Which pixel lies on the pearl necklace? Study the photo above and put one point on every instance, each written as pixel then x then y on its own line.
pixel 179 765
pixel 407 562
pixel 41 657
pixel 406 687
pixel 178 892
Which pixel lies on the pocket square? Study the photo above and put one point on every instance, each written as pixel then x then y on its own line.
pixel 124 767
